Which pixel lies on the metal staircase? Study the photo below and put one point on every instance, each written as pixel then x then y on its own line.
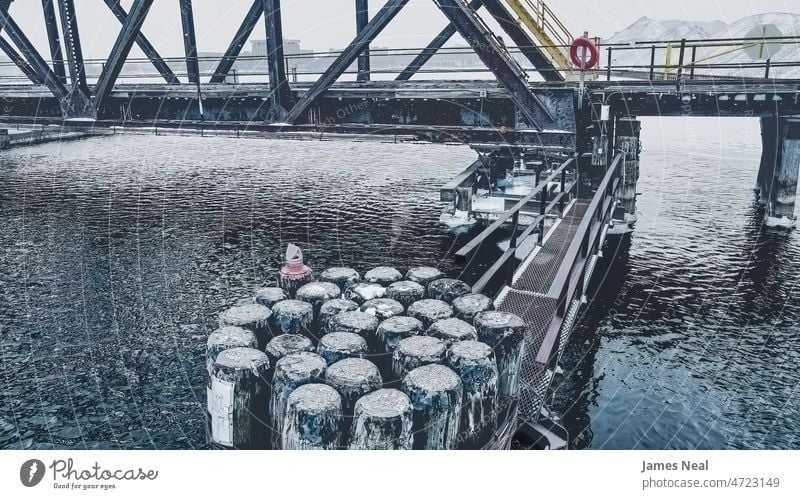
pixel 545 26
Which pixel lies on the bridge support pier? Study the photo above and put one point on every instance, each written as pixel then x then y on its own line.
pixel 777 176
pixel 628 131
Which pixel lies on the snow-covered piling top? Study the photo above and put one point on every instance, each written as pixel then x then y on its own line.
pixel 452 330
pixel 269 296
pixel 447 290
pixel 336 346
pixel 383 275
pixel 383 308
pixel 245 316
pixel 341 276
pixel 429 311
pixel 285 344
pixel 467 306
pixel 424 275
pixel 364 291
pixel 354 322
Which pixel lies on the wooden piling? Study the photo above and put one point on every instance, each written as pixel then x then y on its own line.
pixel 447 290
pixel 313 418
pixel 505 333
pixel 382 420
pixel 429 311
pixel 292 317
pixel 291 372
pixel 436 396
pixel 334 347
pixel 405 292
pixel 253 317
pixel 238 402
pixel 452 330
pixel 467 306
pixel 475 364
pixel 343 277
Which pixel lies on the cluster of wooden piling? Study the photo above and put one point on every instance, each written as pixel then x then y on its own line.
pixel 383 361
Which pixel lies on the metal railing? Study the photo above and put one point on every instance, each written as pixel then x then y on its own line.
pixel 571 275
pixel 548 202
pixel 690 58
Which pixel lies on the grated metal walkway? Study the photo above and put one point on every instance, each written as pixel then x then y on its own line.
pixel 528 298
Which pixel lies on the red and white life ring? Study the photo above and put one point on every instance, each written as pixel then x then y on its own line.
pixel 578 56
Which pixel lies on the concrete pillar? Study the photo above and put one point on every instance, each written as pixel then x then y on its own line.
pixel 628 143
pixel 777 182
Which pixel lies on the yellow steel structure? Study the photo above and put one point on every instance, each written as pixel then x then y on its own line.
pixel 544 25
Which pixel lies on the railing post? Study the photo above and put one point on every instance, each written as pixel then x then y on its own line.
pixel 513 244
pixel 652 61
pixel 766 69
pixel 694 55
pixel 543 195
pixel 563 189
pixel 681 54
pixel 608 64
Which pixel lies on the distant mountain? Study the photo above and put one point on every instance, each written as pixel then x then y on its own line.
pixel 646 29
pixel 650 29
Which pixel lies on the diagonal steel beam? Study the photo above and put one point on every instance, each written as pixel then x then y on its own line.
pixel 521 39
pixel 54 39
pixel 388 12
pixel 247 26
pixel 443 37
pixel 36 61
pixel 189 41
pixel 505 69
pixel 280 93
pixel 122 47
pixel 19 61
pixel 161 66
pixel 72 44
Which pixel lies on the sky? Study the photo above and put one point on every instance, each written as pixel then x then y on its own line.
pixel 324 24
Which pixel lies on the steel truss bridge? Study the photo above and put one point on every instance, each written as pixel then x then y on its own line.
pixel 529 116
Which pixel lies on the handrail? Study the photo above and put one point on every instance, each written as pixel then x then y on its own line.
pixel 516 240
pixel 565 284
pixel 478 240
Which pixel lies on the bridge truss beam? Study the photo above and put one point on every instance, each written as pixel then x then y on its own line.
pixel 144 44
pixel 122 47
pixel 54 39
pixel 433 47
pixel 499 62
pixel 524 42
pixel 347 57
pixel 39 65
pixel 239 39
pixel 72 45
pixel 189 42
pixel 281 98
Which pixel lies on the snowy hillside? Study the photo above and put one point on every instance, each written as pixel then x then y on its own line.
pixel 646 29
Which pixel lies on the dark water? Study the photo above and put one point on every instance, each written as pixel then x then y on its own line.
pixel 117 254
pixel 693 336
